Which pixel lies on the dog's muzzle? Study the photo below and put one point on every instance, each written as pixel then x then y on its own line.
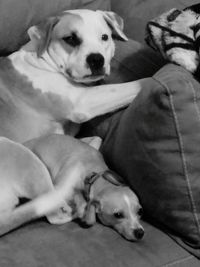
pixel 138 233
pixel 95 62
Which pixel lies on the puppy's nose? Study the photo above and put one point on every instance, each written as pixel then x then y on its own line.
pixel 95 61
pixel 138 233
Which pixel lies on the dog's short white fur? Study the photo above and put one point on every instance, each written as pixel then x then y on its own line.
pixel 44 85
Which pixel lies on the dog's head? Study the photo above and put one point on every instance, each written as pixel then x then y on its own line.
pixel 118 207
pixel 79 42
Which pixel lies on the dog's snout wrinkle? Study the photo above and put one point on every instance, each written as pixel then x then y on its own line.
pixel 95 61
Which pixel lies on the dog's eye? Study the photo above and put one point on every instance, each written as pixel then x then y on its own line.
pixel 72 40
pixel 140 212
pixel 118 215
pixel 104 37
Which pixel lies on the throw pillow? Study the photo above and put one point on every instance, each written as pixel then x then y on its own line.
pixel 155 144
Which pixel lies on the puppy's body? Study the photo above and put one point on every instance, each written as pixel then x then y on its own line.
pixel 63 193
pixel 41 85
pixel 60 152
pixel 103 195
pixel 23 175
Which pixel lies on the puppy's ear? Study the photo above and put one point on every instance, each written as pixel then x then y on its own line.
pixel 113 178
pixel 40 34
pixel 94 141
pixel 90 213
pixel 115 22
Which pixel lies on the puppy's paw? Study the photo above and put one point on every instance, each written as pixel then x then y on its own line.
pixel 61 216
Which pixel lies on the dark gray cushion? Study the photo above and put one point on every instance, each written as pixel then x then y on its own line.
pixel 41 244
pixel 155 144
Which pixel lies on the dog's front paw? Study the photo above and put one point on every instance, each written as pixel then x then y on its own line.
pixel 61 216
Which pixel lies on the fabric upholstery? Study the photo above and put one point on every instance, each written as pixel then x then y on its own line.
pixel 41 244
pixel 154 144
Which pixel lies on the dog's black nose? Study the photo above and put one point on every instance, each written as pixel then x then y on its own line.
pixel 95 61
pixel 138 233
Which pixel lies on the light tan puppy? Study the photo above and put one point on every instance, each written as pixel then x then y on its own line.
pixel 77 184
pixel 95 189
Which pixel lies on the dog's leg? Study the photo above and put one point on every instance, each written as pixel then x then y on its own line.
pixel 103 99
pixel 67 180
pixel 43 205
pixel 14 217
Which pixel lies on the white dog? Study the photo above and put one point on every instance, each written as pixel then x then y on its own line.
pixel 43 85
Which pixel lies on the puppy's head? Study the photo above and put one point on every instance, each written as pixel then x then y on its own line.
pixel 79 42
pixel 121 210
pixel 117 206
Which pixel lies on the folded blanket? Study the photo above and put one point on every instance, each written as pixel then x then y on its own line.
pixel 176 35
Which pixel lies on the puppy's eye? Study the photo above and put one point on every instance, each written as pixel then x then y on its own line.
pixel 118 215
pixel 104 37
pixel 140 212
pixel 72 40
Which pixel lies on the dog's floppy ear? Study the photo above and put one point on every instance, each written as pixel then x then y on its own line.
pixel 113 178
pixel 40 34
pixel 115 22
pixel 90 213
pixel 93 141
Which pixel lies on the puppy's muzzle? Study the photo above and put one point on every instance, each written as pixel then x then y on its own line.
pixel 95 62
pixel 138 233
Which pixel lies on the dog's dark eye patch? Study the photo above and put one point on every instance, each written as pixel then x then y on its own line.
pixel 72 40
pixel 118 215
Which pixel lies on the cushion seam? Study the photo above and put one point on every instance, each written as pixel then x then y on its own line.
pixel 178 261
pixel 190 85
pixel 195 100
pixel 122 64
pixel 109 130
pixel 183 157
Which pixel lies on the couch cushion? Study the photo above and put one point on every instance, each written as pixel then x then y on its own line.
pixel 17 16
pixel 69 245
pixel 132 61
pixel 154 143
